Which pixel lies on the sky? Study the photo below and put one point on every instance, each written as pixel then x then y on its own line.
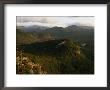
pixel 60 21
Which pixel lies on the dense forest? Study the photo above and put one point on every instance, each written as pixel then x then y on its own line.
pixel 55 50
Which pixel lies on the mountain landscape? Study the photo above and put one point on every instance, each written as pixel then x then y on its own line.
pixel 55 45
pixel 55 50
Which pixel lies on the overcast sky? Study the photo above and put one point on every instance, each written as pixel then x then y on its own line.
pixel 54 21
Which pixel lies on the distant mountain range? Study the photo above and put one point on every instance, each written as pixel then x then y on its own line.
pixel 32 28
pixel 39 33
pixel 37 28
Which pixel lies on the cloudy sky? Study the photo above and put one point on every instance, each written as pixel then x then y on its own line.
pixel 54 21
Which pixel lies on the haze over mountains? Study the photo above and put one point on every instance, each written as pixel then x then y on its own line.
pixel 38 28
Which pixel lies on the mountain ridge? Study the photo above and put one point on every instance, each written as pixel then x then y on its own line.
pixel 37 28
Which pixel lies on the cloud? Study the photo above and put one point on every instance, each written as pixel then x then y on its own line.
pixel 35 19
pixel 61 21
pixel 89 21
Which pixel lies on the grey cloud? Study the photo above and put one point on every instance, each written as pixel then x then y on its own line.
pixel 55 21
pixel 35 19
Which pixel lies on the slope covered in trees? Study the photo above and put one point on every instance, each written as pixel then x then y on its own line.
pixel 54 57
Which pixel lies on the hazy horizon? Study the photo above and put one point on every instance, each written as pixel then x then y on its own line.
pixel 52 21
